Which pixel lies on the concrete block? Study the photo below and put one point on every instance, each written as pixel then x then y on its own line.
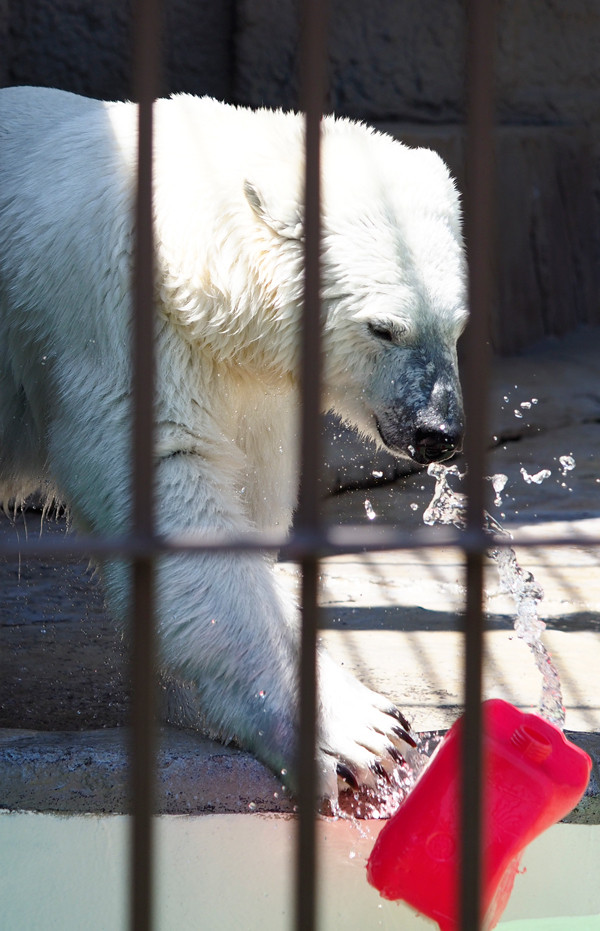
pixel 85 46
pixel 88 772
pixel 397 60
pixel 547 225
pixel 4 40
pixel 405 60
pixel 588 809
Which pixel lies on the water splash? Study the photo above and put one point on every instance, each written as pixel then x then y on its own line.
pixel 449 507
pixel 527 594
pixel 381 801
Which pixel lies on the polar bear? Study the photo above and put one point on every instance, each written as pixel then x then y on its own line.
pixel 228 211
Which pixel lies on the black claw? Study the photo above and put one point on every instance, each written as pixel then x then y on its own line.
pixel 396 756
pixel 405 736
pixel 399 717
pixel 345 773
pixel 379 770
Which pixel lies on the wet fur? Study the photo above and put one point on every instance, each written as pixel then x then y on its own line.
pixel 228 215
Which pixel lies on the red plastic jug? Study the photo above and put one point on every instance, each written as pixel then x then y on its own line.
pixel 533 776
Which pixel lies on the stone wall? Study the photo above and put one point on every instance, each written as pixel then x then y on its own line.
pixel 399 64
pixel 85 46
pixel 403 59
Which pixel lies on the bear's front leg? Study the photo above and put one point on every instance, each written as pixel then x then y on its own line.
pixel 229 632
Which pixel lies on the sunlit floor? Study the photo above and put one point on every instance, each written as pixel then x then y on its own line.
pixel 394 619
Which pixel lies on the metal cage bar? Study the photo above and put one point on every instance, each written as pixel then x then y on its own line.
pixel 147 31
pixel 313 60
pixel 330 541
pixel 479 241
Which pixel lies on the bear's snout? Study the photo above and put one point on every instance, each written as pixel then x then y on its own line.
pixel 436 445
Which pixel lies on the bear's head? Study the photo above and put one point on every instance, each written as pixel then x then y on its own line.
pixel 393 288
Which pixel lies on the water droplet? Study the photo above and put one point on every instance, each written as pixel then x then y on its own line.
pixel 498 481
pixel 538 478
pixel 369 510
pixel 376 473
pixel 518 414
pixel 567 463
pixel 252 806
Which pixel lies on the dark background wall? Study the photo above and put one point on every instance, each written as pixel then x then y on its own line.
pixel 398 64
pixel 85 45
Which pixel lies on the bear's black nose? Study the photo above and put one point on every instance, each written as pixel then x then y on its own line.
pixel 435 445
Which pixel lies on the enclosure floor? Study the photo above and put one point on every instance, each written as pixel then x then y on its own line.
pixel 392 618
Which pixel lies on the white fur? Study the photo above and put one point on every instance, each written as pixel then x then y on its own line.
pixel 229 213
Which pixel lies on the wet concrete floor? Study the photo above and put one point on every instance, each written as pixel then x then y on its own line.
pixel 393 617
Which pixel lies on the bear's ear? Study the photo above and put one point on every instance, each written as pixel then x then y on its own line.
pixel 289 222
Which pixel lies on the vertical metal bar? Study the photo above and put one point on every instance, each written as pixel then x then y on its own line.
pixel 479 236
pixel 146 56
pixel 313 80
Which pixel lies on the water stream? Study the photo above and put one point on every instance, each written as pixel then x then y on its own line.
pixel 448 507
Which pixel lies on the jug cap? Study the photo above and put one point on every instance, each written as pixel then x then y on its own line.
pixel 534 745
